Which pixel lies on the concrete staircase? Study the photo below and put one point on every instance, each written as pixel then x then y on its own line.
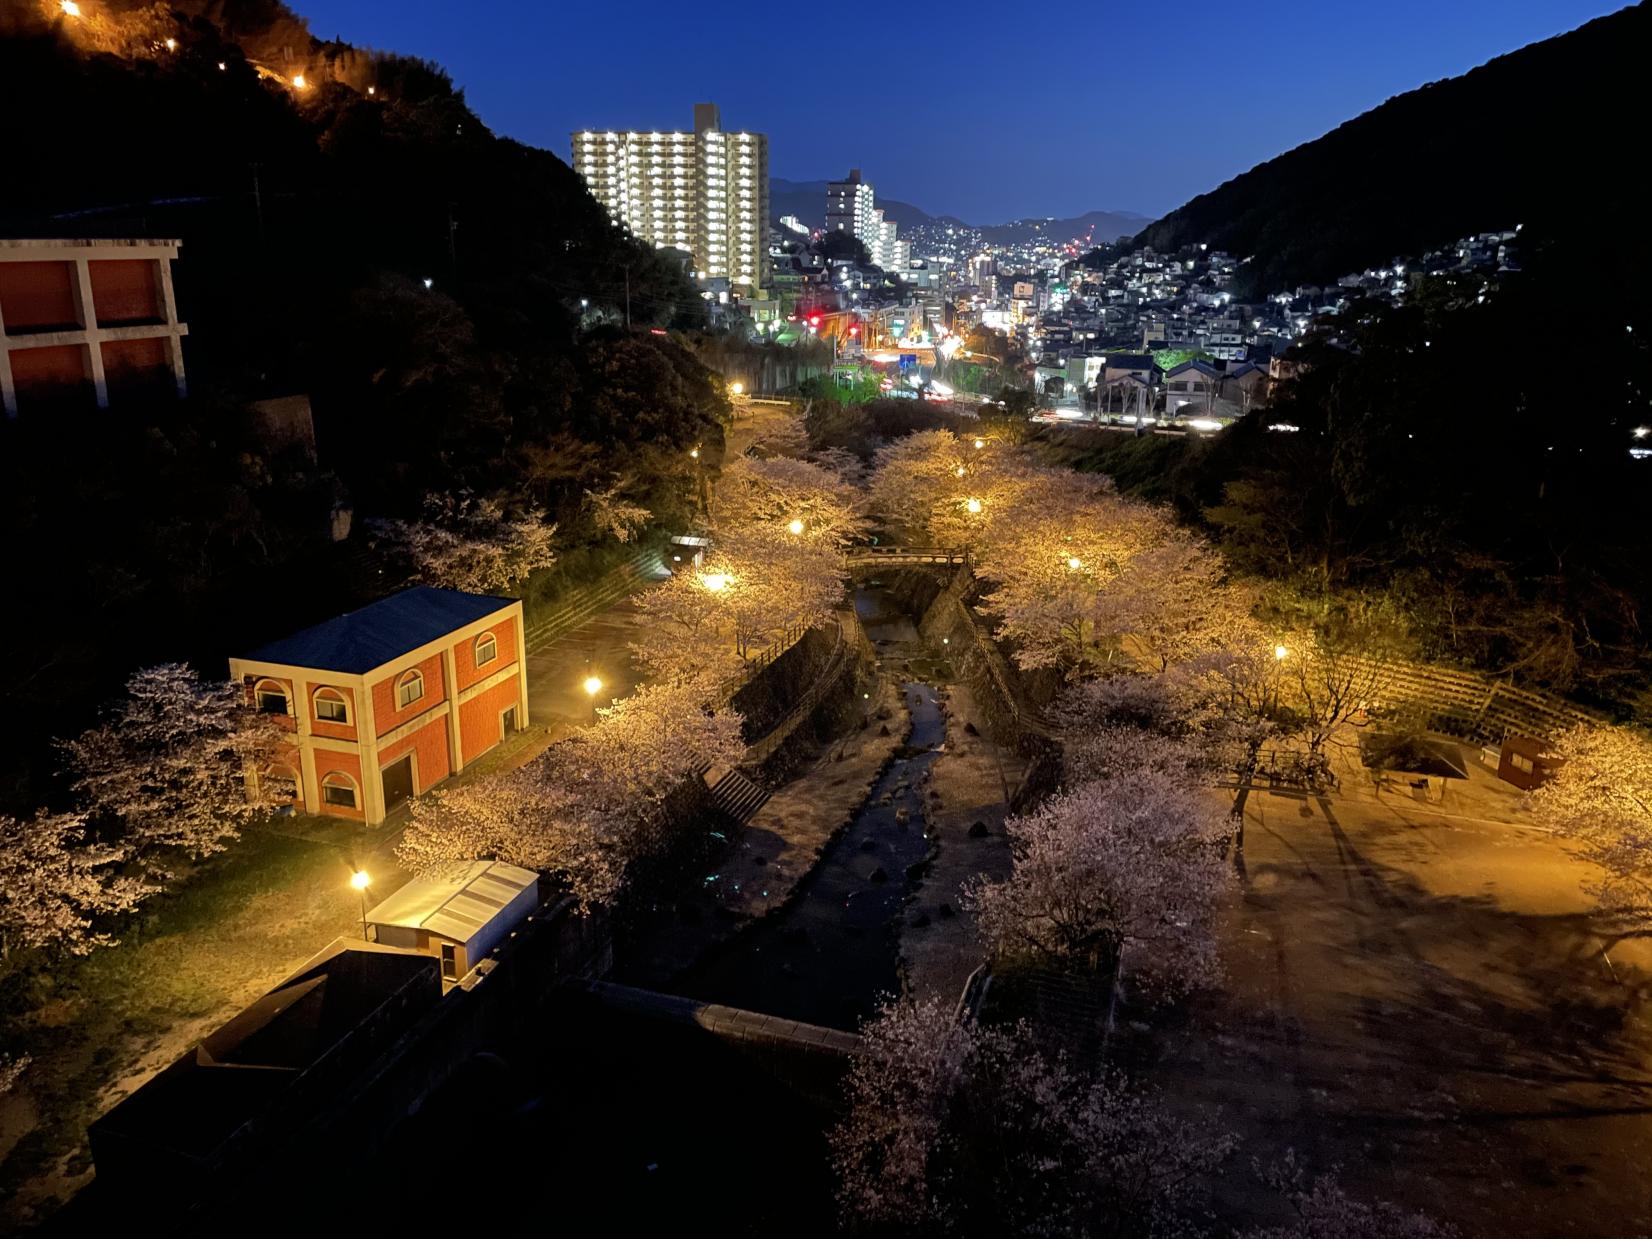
pixel 734 794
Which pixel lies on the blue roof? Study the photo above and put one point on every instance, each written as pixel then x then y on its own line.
pixel 362 640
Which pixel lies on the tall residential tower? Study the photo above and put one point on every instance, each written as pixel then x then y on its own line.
pixel 706 192
pixel 851 206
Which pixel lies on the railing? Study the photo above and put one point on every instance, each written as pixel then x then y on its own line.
pixel 1468 703
pixel 761 749
pixel 581 604
pixel 755 665
pixel 864 556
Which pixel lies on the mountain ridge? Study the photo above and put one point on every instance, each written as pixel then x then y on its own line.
pixel 807 201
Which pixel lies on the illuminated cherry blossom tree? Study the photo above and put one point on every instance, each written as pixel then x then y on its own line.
pixel 1173 601
pixel 613 514
pixel 809 502
pixel 55 884
pixel 1600 794
pixel 1129 867
pixel 936 489
pixel 957 1129
pixel 1324 1211
pixel 468 543
pixel 590 806
pixel 170 764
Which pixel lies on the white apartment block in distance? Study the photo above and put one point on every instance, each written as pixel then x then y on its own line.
pixel 705 193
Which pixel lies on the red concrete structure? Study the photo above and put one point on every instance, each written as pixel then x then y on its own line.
pixel 390 700
pixel 87 323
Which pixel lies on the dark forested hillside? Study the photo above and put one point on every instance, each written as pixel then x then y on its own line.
pixel 361 239
pixel 1545 136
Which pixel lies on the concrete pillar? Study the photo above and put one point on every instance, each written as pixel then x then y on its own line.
pixel 367 756
pixel 307 778
pixel 86 306
pixel 169 308
pixel 521 671
pixel 450 674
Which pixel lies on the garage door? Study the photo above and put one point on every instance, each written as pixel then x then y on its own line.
pixel 398 782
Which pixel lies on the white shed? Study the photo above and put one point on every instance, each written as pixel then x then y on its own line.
pixel 458 915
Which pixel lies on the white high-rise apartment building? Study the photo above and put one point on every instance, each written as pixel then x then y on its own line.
pixel 706 192
pixel 851 206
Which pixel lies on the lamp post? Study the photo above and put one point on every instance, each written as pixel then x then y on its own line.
pixel 593 686
pixel 359 881
pixel 795 528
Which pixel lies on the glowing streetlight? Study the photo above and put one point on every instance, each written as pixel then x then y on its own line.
pixel 979 444
pixel 1642 431
pixel 298 81
pixel 737 389
pixel 960 471
pixel 358 883
pixel 716 582
pixel 694 453
pixel 69 7
pixel 593 685
pixel 222 66
pixel 796 527
pixel 972 506
pixel 372 90
pixel 1074 562
pixel 172 45
pixel 1279 653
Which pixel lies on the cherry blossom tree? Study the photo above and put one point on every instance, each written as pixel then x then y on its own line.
pixel 469 543
pixel 1051 560
pixel 1173 601
pixel 809 502
pixel 1324 1211
pixel 758 582
pixel 1600 794
pixel 1109 870
pixel 937 489
pixel 170 764
pixel 613 514
pixel 11 1071
pixel 591 805
pixel 957 1129
pixel 55 884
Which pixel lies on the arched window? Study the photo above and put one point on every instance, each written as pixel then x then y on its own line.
pixel 270 696
pixel 280 784
pixel 487 649
pixel 339 788
pixel 331 706
pixel 409 689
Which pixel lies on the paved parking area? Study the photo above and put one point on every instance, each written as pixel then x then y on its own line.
pixel 1418 993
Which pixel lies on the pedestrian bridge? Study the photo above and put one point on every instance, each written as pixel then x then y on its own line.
pixel 906 556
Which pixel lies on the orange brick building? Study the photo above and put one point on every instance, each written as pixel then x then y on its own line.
pixel 389 700
pixel 87 323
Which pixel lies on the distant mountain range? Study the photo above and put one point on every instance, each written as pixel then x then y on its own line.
pixel 1543 136
pixel 807 201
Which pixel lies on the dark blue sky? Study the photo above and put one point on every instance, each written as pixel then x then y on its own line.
pixel 988 111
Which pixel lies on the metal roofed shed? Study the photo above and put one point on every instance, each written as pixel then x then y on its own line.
pixel 457 915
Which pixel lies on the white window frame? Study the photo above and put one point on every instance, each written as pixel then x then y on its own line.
pixel 405 684
pixel 333 697
pixel 259 692
pixel 492 643
pixel 339 780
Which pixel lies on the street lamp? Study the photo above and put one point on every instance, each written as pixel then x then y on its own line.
pixel 979 444
pixel 716 582
pixel 796 528
pixel 358 882
pixel 1074 562
pixel 1279 653
pixel 737 389
pixel 972 506
pixel 694 453
pixel 593 686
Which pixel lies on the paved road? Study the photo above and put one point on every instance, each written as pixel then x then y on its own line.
pixel 557 670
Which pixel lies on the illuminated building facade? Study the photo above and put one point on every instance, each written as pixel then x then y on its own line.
pixel 87 323
pixel 706 192
pixel 851 206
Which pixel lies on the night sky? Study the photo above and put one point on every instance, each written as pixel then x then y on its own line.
pixel 988 111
